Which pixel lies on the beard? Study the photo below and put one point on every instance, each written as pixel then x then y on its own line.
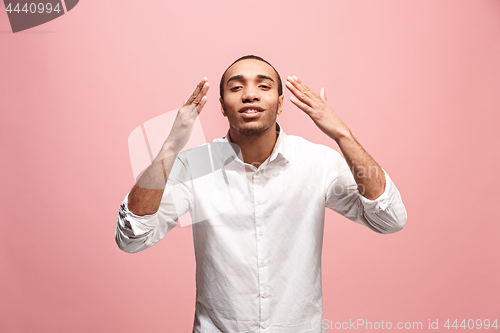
pixel 251 132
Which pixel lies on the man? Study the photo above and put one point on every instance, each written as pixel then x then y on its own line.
pixel 258 216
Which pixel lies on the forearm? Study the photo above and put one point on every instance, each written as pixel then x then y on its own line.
pixel 368 175
pixel 145 197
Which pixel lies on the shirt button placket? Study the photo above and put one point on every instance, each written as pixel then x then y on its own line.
pixel 262 251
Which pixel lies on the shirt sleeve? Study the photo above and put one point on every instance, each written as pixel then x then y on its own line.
pixel 386 214
pixel 135 233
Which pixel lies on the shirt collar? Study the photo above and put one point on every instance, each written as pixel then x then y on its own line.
pixel 280 150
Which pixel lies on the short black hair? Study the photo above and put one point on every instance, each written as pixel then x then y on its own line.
pixel 221 86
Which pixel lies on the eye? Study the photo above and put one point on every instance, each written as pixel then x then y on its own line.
pixel 264 86
pixel 235 88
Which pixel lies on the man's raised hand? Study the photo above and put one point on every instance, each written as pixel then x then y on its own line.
pixel 316 107
pixel 199 96
pixel 184 121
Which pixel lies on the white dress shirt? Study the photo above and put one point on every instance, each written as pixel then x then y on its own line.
pixel 258 232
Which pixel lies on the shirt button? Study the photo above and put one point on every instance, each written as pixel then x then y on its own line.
pixel 262 263
pixel 258 202
pixel 263 324
pixel 261 233
pixel 264 294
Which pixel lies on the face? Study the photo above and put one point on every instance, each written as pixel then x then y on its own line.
pixel 251 102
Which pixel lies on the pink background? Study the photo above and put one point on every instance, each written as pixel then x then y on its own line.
pixel 416 81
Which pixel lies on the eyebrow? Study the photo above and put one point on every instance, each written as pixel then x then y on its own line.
pixel 241 77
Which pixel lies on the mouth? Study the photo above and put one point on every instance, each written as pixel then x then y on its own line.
pixel 251 110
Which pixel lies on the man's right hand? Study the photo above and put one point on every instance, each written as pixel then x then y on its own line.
pixel 184 121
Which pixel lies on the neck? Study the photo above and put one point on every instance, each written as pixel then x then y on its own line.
pixel 255 149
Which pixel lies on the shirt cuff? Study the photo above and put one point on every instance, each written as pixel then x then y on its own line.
pixel 382 202
pixel 145 220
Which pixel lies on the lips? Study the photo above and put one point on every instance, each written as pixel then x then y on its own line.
pixel 251 109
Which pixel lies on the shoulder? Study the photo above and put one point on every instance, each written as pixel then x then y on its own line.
pixel 303 147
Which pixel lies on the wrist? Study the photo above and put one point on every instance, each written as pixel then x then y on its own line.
pixel 343 136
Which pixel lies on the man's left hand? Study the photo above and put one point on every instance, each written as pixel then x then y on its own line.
pixel 317 107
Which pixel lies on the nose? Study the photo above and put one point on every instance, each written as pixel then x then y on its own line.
pixel 250 94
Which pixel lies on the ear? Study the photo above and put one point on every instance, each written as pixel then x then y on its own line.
pixel 280 103
pixel 222 107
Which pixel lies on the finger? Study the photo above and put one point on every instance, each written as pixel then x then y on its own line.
pixel 201 94
pixel 300 91
pixel 302 87
pixel 322 94
pixel 195 93
pixel 301 105
pixel 299 95
pixel 200 106
pixel 294 89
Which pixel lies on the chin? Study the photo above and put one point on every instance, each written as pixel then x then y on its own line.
pixel 254 128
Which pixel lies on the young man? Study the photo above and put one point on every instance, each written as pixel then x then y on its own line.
pixel 258 215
